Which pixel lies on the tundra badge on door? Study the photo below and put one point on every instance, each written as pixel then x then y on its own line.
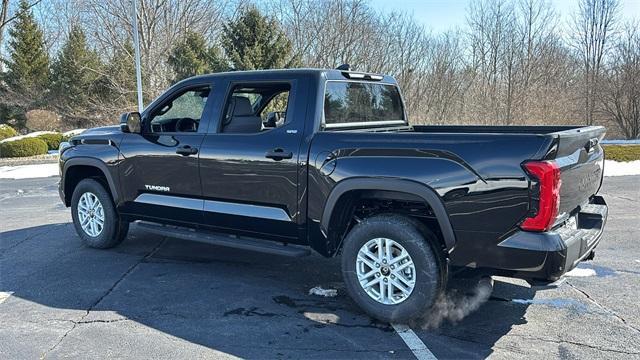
pixel 157 188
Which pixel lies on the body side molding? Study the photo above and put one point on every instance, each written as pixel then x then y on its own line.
pixel 398 185
pixel 249 210
pixel 170 201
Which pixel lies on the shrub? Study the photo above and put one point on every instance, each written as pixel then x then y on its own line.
pixel 43 120
pixel 23 147
pixel 622 152
pixel 7 131
pixel 52 140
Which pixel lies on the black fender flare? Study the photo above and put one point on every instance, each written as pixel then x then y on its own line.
pixel 399 185
pixel 87 161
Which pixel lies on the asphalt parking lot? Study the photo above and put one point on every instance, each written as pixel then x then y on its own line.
pixel 155 297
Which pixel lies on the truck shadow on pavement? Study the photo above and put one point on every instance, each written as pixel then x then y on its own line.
pixel 127 299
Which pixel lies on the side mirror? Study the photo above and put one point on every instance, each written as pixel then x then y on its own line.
pixel 131 122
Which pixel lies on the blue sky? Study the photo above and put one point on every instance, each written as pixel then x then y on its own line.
pixel 442 15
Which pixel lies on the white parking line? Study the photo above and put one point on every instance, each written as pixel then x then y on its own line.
pixel 5 295
pixel 417 347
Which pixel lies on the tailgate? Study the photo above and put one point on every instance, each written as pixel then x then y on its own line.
pixel 581 161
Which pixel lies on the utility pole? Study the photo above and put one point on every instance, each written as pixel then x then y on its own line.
pixel 4 14
pixel 136 45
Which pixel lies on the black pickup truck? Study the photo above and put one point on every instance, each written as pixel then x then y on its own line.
pixel 285 161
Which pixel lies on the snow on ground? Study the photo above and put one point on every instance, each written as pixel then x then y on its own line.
pixel 621 142
pixel 33 134
pixel 38 133
pixel 73 132
pixel 28 171
pixel 581 272
pixel 615 168
pixel 611 168
pixel 318 290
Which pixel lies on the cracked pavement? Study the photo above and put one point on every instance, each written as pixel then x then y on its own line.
pixel 158 297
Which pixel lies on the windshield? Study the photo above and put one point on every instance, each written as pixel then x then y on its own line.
pixel 348 103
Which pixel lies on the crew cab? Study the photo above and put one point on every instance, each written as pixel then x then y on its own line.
pixel 284 161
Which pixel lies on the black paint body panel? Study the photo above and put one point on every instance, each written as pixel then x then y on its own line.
pixel 471 176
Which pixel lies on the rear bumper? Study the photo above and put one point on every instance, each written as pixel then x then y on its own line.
pixel 557 251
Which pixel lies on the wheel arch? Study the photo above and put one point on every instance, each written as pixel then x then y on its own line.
pixel 76 169
pixel 338 200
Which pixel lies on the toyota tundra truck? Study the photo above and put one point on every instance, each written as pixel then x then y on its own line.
pixel 288 161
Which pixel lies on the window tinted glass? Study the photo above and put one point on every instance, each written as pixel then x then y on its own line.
pixel 353 102
pixel 182 114
pixel 256 108
pixel 254 98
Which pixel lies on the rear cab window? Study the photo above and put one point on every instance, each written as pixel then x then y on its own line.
pixel 361 104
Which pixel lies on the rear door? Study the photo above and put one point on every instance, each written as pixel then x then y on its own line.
pixel 159 172
pixel 250 159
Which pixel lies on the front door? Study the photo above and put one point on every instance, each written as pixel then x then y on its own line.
pixel 159 172
pixel 249 162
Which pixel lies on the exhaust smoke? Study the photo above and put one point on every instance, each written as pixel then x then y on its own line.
pixel 454 306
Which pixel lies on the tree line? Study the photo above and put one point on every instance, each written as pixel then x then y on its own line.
pixel 512 63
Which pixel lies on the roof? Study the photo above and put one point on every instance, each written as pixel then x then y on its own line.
pixel 331 74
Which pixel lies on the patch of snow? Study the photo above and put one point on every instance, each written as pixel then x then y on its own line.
pixel 28 171
pixel 33 134
pixel 323 292
pixel 4 295
pixel 73 132
pixel 620 142
pixel 616 168
pixel 556 303
pixel 601 271
pixel 581 272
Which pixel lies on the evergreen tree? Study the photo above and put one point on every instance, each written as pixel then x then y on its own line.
pixel 255 42
pixel 28 64
pixel 75 73
pixel 192 57
pixel 117 86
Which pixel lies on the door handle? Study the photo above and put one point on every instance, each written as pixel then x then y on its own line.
pixel 186 150
pixel 278 154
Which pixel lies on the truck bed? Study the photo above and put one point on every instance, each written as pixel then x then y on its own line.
pixel 541 130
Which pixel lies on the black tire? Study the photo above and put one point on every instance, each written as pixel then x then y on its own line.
pixel 422 246
pixel 114 229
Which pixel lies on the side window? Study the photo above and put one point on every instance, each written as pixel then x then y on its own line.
pixel 256 108
pixel 274 112
pixel 182 113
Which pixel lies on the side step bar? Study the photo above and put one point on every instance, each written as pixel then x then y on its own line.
pixel 264 246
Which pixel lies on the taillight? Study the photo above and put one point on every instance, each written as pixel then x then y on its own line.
pixel 547 173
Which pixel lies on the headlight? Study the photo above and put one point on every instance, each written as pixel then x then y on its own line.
pixel 64 146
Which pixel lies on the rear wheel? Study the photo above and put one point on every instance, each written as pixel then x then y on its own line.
pixel 94 216
pixel 391 268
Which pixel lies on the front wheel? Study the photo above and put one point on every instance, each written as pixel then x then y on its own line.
pixel 95 217
pixel 391 268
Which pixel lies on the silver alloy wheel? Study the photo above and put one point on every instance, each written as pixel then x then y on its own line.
pixel 385 271
pixel 90 214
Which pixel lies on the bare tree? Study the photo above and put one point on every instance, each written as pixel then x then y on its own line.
pixel 493 42
pixel 510 65
pixel 161 23
pixel 594 24
pixel 4 13
pixel 620 97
